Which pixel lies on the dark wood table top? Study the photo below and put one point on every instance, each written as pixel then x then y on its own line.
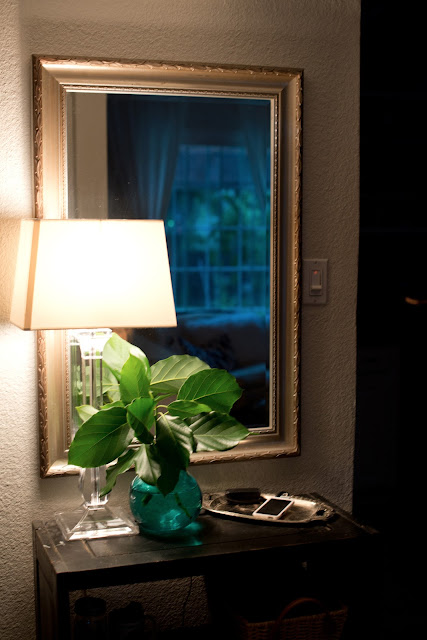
pixel 206 545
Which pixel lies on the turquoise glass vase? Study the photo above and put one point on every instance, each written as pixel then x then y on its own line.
pixel 159 514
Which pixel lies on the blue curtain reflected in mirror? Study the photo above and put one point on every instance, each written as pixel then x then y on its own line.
pixel 203 165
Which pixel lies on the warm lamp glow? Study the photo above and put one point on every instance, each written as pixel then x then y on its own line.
pixel 92 273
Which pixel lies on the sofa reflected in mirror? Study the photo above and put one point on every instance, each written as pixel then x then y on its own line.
pixel 237 342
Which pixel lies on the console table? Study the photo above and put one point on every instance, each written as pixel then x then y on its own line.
pixel 343 549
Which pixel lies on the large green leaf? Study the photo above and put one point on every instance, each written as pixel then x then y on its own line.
pixel 117 351
pixel 167 376
pixel 155 470
pixel 214 387
pixel 117 403
pixel 135 379
pixel 168 478
pixel 101 439
pixel 186 408
pixel 140 416
pixel 85 411
pixel 174 441
pixel 147 466
pixel 123 464
pixel 110 385
pixel 217 432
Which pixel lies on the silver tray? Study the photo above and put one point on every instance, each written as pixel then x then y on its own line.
pixel 303 510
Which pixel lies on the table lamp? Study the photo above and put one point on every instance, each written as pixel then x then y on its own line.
pixel 84 275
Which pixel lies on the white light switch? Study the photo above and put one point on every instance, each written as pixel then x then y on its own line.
pixel 314 281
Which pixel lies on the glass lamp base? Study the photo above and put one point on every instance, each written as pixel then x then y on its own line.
pixel 90 524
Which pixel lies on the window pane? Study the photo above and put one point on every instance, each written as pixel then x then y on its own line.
pixel 224 248
pixel 229 209
pixel 256 247
pixel 255 292
pixel 189 289
pixel 191 249
pixel 223 286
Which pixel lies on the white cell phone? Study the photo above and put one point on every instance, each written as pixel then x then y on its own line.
pixel 273 508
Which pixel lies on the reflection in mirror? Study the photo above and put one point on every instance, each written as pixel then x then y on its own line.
pixel 216 153
pixel 203 166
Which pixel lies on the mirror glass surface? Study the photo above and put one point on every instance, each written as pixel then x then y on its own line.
pixel 216 154
pixel 203 166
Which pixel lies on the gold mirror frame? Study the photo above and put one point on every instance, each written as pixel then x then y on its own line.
pixel 52 78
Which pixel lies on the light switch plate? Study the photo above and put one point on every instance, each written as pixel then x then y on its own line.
pixel 314 281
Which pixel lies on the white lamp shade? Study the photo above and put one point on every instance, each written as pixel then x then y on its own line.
pixel 85 274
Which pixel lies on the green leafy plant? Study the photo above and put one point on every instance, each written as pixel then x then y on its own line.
pixel 156 416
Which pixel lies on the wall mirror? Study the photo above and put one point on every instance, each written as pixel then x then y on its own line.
pixel 215 153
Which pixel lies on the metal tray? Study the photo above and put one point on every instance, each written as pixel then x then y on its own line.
pixel 303 511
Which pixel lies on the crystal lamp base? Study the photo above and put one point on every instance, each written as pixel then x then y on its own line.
pixel 89 524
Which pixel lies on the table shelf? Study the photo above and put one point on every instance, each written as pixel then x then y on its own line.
pixel 210 547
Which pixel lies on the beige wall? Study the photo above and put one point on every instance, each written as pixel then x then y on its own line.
pixel 320 36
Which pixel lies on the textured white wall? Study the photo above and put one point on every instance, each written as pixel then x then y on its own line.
pixel 322 37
